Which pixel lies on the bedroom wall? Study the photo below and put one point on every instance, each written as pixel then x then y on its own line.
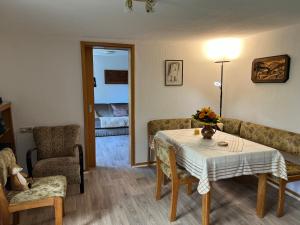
pixel 275 105
pixel 110 93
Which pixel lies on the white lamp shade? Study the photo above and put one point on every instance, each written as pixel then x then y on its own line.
pixel 225 49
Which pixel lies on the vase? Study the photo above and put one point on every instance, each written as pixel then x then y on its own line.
pixel 207 131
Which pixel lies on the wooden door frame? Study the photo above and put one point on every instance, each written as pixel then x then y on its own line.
pixel 88 99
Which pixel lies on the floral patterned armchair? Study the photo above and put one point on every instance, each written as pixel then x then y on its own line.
pixel 46 191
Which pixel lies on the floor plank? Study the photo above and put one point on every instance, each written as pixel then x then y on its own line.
pixel 119 195
pixel 127 198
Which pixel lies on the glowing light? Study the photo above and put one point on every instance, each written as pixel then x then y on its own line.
pixel 224 49
pixel 217 84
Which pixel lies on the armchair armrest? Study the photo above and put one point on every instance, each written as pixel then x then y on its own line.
pixel 80 151
pixel 29 160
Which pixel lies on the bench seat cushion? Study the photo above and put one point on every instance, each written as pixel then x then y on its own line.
pixel 42 188
pixel 292 168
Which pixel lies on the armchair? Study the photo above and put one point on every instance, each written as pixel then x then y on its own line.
pixel 57 154
pixel 46 191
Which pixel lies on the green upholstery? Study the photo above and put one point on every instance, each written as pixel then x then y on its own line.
pixel 162 152
pixel 196 124
pixel 56 154
pixel 56 141
pixel 292 169
pixel 66 166
pixel 7 161
pixel 168 124
pixel 231 126
pixel 279 139
pixel 42 188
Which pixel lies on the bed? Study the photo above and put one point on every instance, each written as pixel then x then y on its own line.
pixel 111 119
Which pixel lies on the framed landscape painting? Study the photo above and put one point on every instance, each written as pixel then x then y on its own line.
pixel 274 69
pixel 173 72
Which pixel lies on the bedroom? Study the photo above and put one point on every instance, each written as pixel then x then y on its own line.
pixel 111 94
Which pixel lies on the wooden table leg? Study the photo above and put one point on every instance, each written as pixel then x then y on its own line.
pixel 261 195
pixel 206 208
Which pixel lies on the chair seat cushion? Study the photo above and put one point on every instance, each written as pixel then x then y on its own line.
pixel 46 187
pixel 292 168
pixel 66 166
pixel 181 172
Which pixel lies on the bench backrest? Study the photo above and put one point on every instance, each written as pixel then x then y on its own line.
pixel 281 140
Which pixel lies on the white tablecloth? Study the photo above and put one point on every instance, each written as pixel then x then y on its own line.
pixel 207 161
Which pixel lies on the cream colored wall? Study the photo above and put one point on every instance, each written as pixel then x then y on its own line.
pixel 275 105
pixel 42 78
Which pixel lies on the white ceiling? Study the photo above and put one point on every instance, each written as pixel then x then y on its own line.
pixel 176 19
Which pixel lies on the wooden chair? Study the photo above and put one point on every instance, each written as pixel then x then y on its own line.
pixel 293 172
pixel 46 191
pixel 166 165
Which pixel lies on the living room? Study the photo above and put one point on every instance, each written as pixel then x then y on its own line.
pixel 41 75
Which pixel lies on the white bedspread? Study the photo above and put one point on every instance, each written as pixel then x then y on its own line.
pixel 112 122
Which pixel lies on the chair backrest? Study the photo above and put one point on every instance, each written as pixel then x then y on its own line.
pixel 56 141
pixel 165 157
pixel 231 126
pixel 7 161
pixel 282 140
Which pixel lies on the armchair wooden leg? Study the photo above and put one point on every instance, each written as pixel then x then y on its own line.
pixel 16 218
pixel 189 188
pixel 159 180
pixel 281 197
pixel 58 208
pixel 174 198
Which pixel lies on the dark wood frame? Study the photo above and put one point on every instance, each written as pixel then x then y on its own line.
pixel 286 72
pixel 109 73
pixel 7 138
pixel 88 98
pixel 175 60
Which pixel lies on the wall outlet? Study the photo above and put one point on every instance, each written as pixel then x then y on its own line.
pixel 26 130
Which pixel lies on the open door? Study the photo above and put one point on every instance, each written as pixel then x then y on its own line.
pixel 88 99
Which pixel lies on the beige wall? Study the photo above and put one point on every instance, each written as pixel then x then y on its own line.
pixel 42 78
pixel 275 105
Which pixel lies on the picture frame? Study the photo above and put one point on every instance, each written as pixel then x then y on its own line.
pixel 173 72
pixel 273 69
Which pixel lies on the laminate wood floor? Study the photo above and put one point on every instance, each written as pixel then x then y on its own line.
pixel 125 196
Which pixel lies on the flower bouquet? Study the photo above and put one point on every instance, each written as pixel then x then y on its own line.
pixel 208 118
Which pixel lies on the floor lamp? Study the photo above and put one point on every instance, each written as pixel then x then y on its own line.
pixel 222 51
pixel 220 84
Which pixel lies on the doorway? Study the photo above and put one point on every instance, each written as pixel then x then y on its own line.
pixel 93 127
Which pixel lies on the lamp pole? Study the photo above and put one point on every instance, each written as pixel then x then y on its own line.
pixel 221 86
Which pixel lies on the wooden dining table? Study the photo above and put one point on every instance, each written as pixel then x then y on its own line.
pixel 208 161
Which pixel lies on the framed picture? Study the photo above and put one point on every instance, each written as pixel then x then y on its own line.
pixel 274 69
pixel 173 72
pixel 116 76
